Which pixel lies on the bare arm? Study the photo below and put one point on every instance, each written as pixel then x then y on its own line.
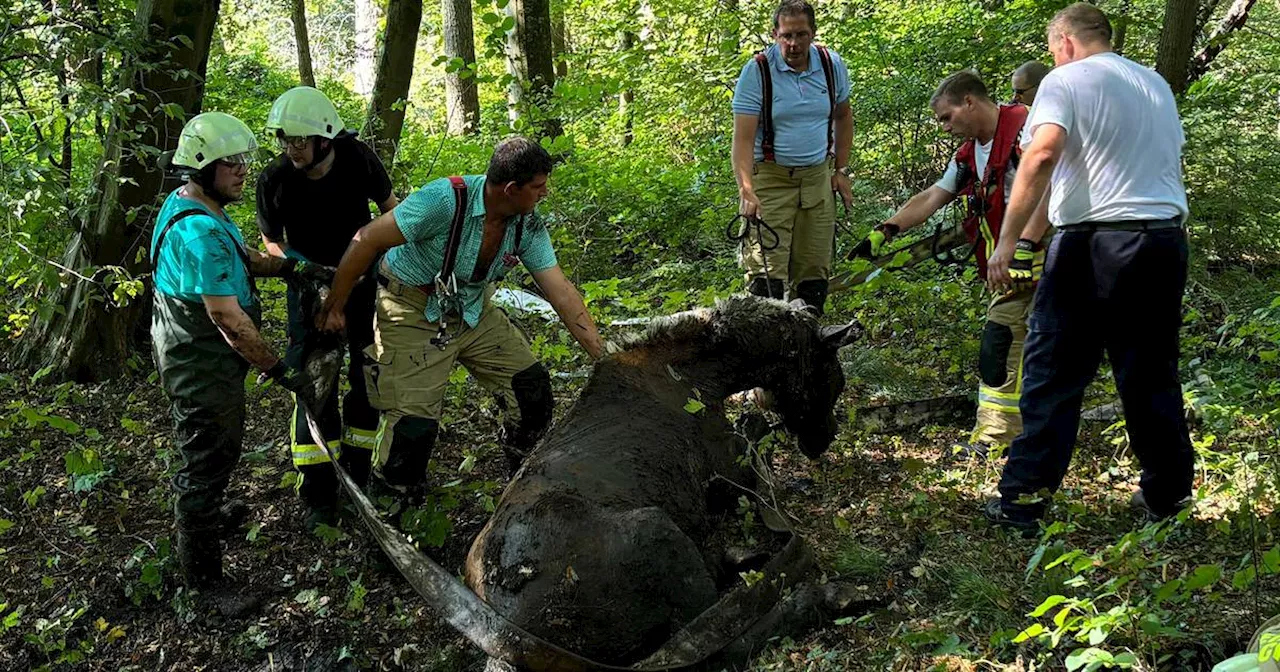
pixel 920 208
pixel 843 142
pixel 1028 204
pixel 274 248
pixel 744 148
pixel 371 240
pixel 564 297
pixel 1032 180
pixel 239 331
pixel 389 204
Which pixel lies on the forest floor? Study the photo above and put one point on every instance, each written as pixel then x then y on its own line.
pixel 87 579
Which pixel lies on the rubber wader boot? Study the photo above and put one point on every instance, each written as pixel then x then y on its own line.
pixel 318 489
pixel 357 462
pixel 231 516
pixel 200 559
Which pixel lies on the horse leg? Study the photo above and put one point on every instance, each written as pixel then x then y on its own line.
pixel 807 607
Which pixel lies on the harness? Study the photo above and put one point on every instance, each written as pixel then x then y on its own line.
pixel 240 251
pixel 445 284
pixel 766 100
pixel 984 196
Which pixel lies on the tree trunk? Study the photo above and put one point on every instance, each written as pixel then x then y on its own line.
pixel 305 74
pixel 559 38
pixel 626 43
pixel 395 70
pixel 366 15
pixel 1176 40
pixel 516 69
pixel 1233 21
pixel 87 337
pixel 462 101
pixel 539 64
pixel 1120 20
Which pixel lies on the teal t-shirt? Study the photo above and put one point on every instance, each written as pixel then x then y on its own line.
pixel 199 254
pixel 424 219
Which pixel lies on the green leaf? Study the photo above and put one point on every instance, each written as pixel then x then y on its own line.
pixel 1271 560
pixel 5 525
pixel 1035 560
pixel 1203 575
pixel 1091 656
pixel 694 406
pixel 1244 578
pixel 1033 630
pixel 1049 603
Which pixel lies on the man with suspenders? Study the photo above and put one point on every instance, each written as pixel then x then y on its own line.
pixel 445 245
pixel 204 331
pixel 792 131
pixel 981 174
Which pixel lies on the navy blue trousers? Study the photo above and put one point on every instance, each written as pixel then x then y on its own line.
pixel 1113 291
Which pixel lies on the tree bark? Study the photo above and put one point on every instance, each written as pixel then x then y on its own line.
pixel 516 69
pixel 395 70
pixel 462 100
pixel 366 19
pixel 534 25
pixel 305 74
pixel 626 42
pixel 88 338
pixel 1120 20
pixel 1233 21
pixel 559 39
pixel 1176 39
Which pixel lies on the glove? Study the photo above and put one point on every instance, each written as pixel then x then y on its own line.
pixel 299 270
pixel 296 381
pixel 1024 256
pixel 873 245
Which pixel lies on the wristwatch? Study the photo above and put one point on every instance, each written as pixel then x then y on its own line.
pixel 847 171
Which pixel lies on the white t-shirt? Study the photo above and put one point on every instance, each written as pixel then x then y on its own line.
pixel 950 181
pixel 1123 156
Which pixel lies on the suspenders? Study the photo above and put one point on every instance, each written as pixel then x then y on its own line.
pixel 766 97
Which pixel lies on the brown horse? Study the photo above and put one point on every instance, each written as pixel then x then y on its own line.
pixel 600 542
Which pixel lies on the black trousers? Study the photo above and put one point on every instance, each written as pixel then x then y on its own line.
pixel 1118 291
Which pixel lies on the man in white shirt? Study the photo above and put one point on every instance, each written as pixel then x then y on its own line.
pixel 1105 139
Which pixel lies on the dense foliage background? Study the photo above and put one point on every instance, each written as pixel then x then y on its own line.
pixel 639 207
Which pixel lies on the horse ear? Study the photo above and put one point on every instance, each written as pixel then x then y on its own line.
pixel 839 336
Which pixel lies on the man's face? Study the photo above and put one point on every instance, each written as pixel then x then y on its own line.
pixel 527 196
pixel 1023 92
pixel 794 36
pixel 228 180
pixel 1063 47
pixel 301 151
pixel 958 119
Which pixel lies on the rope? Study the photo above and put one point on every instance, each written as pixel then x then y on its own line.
pixel 741 235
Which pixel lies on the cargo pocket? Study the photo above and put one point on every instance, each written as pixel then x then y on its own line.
pixel 378 378
pixel 815 190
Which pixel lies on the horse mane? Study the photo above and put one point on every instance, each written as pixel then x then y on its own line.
pixel 749 320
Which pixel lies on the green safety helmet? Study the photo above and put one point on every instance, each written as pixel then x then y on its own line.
pixel 304 111
pixel 212 136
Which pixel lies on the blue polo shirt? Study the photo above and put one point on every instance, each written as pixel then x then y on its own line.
pixel 199 254
pixel 801 106
pixel 424 219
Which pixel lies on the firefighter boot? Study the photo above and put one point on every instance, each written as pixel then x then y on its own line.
pixel 200 560
pixel 318 489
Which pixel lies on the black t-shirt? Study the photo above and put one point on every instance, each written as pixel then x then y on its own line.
pixel 318 218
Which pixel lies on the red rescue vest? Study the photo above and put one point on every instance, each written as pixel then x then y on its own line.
pixel 984 195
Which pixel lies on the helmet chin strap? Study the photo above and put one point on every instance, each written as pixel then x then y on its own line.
pixel 317 154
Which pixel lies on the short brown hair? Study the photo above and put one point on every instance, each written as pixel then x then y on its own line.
pixel 790 8
pixel 958 85
pixel 1083 21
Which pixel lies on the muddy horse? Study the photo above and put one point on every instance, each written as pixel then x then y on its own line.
pixel 600 542
pixel 599 553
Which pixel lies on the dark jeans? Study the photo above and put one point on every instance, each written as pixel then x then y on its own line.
pixel 1120 291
